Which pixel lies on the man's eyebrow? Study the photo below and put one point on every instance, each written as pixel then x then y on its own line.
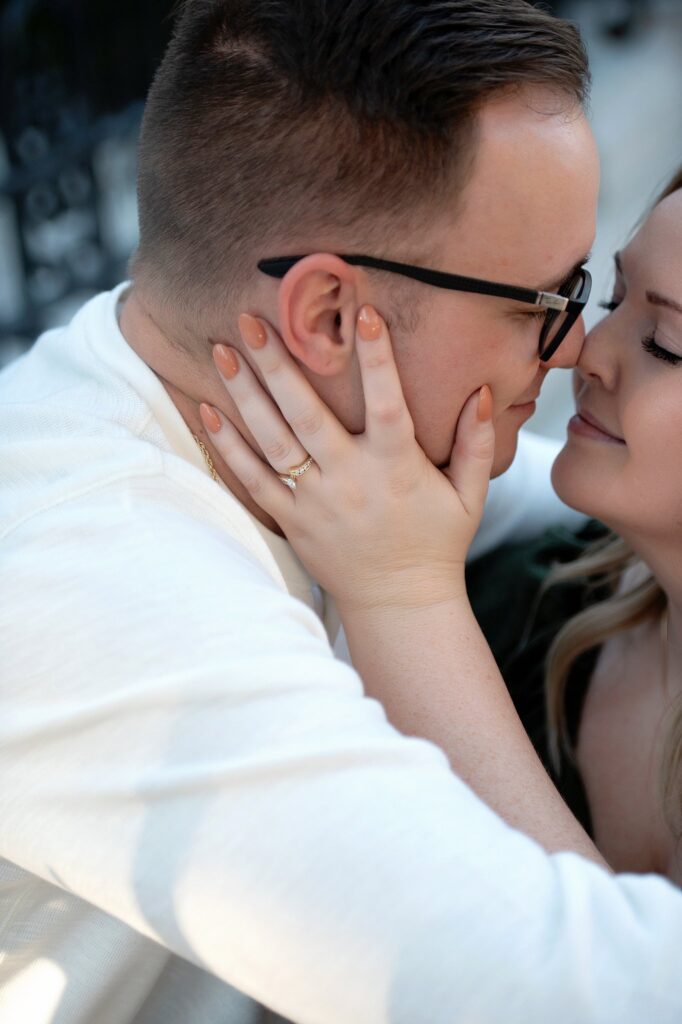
pixel 555 284
pixel 660 300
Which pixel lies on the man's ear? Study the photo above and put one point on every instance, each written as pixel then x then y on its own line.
pixel 318 304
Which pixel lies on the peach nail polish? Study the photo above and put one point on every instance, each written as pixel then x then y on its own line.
pixel 485 404
pixel 226 361
pixel 209 417
pixel 369 324
pixel 251 331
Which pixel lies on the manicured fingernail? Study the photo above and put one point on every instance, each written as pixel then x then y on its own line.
pixel 226 361
pixel 209 417
pixel 251 331
pixel 369 324
pixel 485 404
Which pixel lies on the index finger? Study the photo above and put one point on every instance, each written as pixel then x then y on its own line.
pixel 388 423
pixel 310 419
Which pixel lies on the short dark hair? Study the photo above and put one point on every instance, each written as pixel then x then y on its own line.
pixel 269 119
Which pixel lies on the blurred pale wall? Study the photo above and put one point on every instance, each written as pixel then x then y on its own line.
pixel 636 114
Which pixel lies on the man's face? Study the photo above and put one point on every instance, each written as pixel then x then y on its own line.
pixel 526 217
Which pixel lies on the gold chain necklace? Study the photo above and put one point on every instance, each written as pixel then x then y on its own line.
pixel 202 447
pixel 207 458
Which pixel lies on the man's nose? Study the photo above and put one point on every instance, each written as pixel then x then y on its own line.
pixel 568 352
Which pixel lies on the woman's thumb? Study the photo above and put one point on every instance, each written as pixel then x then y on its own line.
pixel 471 461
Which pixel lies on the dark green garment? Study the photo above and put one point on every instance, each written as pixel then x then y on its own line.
pixel 520 625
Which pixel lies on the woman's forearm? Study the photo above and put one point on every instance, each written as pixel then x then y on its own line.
pixel 430 667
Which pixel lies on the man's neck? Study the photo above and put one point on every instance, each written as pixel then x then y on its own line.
pixel 188 380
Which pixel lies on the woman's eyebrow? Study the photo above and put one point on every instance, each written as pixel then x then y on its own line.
pixel 660 300
pixel 655 298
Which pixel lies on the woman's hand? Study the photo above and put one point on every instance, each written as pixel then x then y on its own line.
pixel 373 520
pixel 386 533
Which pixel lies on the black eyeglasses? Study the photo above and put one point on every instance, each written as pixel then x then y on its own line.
pixel 562 308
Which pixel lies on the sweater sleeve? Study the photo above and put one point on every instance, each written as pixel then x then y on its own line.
pixel 179 747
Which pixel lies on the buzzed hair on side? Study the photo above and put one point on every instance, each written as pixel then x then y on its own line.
pixel 271 120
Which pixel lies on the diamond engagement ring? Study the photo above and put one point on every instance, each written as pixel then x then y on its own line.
pixel 289 478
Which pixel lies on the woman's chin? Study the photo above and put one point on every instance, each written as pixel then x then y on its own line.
pixel 572 484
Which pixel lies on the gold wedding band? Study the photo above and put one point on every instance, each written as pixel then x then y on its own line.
pixel 289 478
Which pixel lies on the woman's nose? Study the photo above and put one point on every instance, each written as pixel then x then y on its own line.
pixel 598 356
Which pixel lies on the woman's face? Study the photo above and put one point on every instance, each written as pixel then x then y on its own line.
pixel 622 461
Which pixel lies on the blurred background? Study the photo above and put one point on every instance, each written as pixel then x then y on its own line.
pixel 73 78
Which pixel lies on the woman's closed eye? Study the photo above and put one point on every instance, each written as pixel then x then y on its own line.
pixel 649 343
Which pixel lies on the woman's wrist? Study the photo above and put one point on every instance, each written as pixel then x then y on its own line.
pixel 403 592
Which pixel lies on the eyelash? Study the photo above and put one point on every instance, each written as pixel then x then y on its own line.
pixel 649 343
pixel 538 315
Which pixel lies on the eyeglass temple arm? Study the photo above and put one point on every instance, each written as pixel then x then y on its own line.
pixel 278 267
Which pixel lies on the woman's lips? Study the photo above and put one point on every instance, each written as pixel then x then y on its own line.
pixel 586 425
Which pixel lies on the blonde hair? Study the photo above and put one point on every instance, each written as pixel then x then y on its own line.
pixel 604 563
